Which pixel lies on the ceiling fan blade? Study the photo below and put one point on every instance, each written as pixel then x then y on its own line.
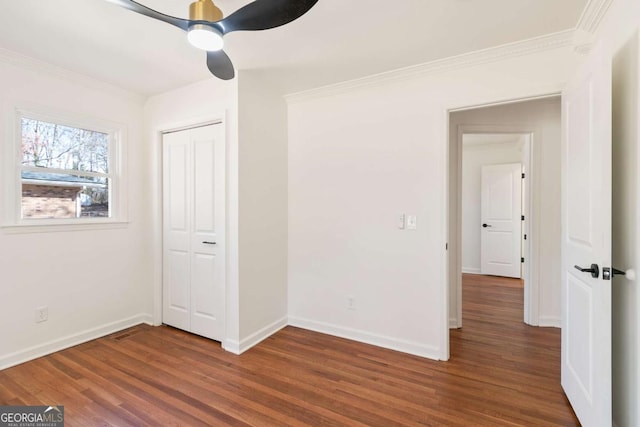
pixel 265 14
pixel 183 24
pixel 220 65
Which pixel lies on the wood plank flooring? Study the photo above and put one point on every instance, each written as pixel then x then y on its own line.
pixel 501 373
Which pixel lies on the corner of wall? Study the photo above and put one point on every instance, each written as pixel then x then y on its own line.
pixel 262 208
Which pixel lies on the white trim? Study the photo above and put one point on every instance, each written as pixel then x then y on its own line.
pixel 72 225
pixel 530 275
pixel 471 270
pixel 453 323
pixel 549 322
pixel 59 344
pixel 232 346
pixel 540 93
pixel 235 347
pixel 443 291
pixel 478 57
pixel 593 14
pixel 417 349
pixel 41 67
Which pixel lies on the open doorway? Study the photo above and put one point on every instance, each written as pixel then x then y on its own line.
pixel 525 132
pixel 494 202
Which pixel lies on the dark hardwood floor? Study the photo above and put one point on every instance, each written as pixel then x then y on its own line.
pixel 501 373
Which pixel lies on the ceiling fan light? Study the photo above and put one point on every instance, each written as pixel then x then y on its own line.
pixel 205 37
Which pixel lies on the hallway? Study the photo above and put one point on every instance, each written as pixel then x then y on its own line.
pixel 516 367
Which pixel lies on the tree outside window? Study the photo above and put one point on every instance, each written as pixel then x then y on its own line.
pixel 65 171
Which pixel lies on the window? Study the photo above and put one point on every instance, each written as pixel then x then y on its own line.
pixel 66 172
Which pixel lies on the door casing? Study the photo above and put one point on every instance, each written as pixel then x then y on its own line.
pixel 531 306
pixel 216 117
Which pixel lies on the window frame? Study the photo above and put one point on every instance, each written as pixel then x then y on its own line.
pixel 117 196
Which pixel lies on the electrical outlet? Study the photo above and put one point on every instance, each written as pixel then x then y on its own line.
pixel 42 314
pixel 351 303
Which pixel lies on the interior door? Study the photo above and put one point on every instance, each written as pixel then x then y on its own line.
pixel 501 222
pixel 193 230
pixel 586 241
pixel 176 231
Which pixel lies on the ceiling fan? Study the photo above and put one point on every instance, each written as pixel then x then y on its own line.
pixel 206 26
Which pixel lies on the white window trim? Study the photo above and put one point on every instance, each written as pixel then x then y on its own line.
pixel 12 215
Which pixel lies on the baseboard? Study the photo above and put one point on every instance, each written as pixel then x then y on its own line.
pixel 549 322
pixel 239 347
pixel 470 270
pixel 453 323
pixel 409 347
pixel 34 352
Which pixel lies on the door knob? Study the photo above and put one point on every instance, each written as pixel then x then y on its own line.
pixel 594 270
pixel 485 225
pixel 608 273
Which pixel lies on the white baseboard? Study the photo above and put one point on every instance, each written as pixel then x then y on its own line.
pixel 453 323
pixel 549 322
pixel 409 347
pixel 18 357
pixel 471 270
pixel 239 347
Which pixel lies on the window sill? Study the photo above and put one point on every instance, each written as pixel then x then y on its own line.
pixel 53 227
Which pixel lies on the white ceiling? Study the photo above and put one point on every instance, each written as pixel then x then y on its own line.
pixel 336 41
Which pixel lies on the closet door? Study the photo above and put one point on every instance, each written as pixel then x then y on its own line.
pixel 193 230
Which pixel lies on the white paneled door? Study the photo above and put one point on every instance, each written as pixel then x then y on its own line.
pixel 193 230
pixel 501 222
pixel 586 241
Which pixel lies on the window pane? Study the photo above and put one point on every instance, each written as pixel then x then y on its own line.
pixel 63 147
pixel 56 196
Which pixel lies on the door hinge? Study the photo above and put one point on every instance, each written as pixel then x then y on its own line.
pixel 522 217
pixel 523 176
pixel 446 246
pixel 521 259
pixel 525 237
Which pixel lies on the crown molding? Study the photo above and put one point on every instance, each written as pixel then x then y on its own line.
pixel 38 66
pixel 592 15
pixel 479 57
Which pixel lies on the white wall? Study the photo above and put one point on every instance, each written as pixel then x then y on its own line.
pixel 626 234
pixel 194 104
pixel 94 282
pixel 542 119
pixel 473 158
pixel 361 154
pixel 262 135
pixel 255 117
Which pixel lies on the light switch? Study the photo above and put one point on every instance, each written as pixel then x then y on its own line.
pixel 412 222
pixel 401 220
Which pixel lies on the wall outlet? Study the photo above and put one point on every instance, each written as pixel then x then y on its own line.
pixel 351 303
pixel 42 314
